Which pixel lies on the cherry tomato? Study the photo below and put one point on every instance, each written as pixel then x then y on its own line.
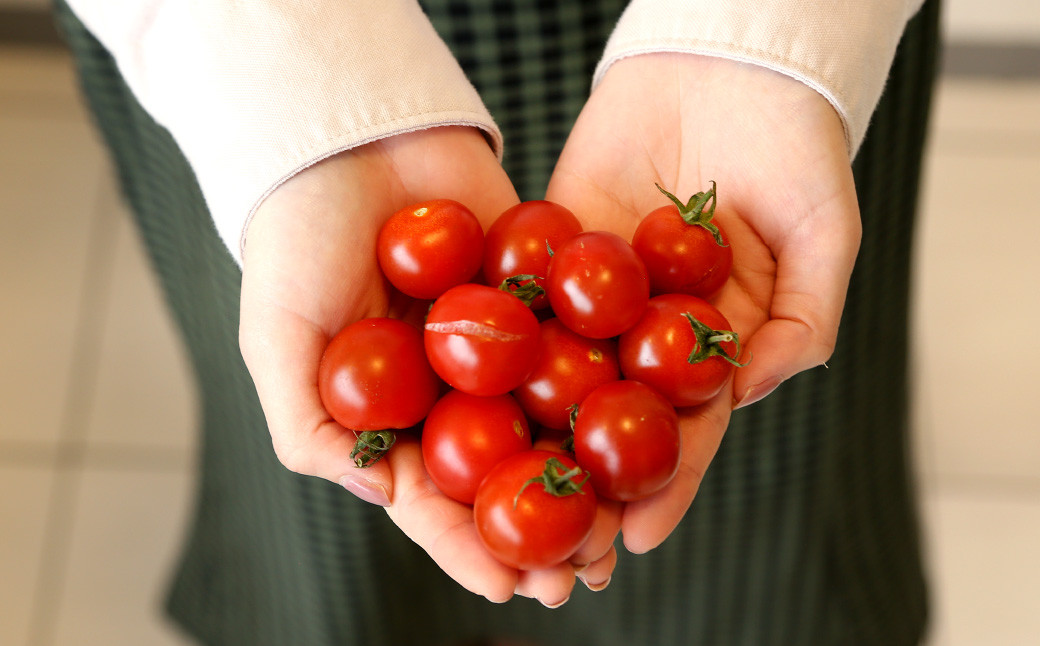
pixel 568 368
pixel 534 510
pixel 427 248
pixel 551 439
pixel 597 284
pixel 481 340
pixel 627 435
pixel 682 347
pixel 374 375
pixel 465 436
pixel 685 251
pixel 518 242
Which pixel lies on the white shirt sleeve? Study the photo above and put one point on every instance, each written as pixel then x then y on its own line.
pixel 841 48
pixel 253 92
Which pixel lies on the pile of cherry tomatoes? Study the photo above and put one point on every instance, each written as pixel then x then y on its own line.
pixel 538 328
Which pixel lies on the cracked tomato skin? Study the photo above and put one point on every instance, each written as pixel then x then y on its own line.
pixel 597 284
pixel 536 529
pixel 656 349
pixel 374 375
pixel 465 436
pixel 427 248
pixel 627 435
pixel 481 340
pixel 519 240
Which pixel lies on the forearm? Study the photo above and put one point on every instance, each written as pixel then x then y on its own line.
pixel 842 49
pixel 255 92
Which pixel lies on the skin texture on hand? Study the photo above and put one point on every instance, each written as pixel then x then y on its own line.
pixel 786 199
pixel 309 270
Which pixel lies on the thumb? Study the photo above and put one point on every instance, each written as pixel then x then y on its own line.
pixel 813 268
pixel 310 270
pixel 305 439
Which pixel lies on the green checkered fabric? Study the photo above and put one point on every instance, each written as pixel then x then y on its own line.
pixel 804 531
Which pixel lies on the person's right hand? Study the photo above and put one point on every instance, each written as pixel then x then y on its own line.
pixel 309 270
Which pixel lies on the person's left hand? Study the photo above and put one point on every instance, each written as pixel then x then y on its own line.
pixel 786 200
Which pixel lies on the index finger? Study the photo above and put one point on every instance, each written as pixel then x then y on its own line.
pixel 647 523
pixel 443 527
pixel 813 267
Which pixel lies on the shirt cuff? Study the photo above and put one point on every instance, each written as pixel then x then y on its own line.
pixel 254 92
pixel 841 49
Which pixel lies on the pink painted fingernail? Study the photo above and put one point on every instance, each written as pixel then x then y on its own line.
pixel 366 490
pixel 758 392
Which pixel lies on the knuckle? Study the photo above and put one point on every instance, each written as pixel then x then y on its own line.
pixel 823 349
pixel 289 455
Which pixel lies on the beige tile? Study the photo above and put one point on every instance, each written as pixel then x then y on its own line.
pixel 997 108
pixel 126 532
pixel 144 393
pixel 38 81
pixel 985 567
pixel 25 494
pixel 977 312
pixel 992 21
pixel 51 170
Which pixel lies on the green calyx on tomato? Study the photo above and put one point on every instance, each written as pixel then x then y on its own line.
pixel 371 446
pixel 524 287
pixel 693 212
pixel 709 343
pixel 568 444
pixel 557 480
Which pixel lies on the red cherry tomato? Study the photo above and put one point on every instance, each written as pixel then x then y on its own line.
pixel 374 375
pixel 627 435
pixel 568 368
pixel 465 436
pixel 427 248
pixel 521 522
pixel 597 284
pixel 481 340
pixel 685 251
pixel 682 347
pixel 551 439
pixel 516 243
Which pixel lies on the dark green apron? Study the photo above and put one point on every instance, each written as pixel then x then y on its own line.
pixel 804 531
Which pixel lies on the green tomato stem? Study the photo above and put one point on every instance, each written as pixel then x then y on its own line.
pixel 557 480
pixel 568 444
pixel 371 447
pixel 693 212
pixel 523 286
pixel 709 343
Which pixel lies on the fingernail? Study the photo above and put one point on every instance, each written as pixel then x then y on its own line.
pixel 758 392
pixel 366 490
pixel 578 569
pixel 596 587
pixel 553 606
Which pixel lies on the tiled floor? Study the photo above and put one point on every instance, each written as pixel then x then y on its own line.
pixel 96 408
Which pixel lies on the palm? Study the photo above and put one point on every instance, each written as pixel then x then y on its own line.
pixel 310 269
pixel 786 201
